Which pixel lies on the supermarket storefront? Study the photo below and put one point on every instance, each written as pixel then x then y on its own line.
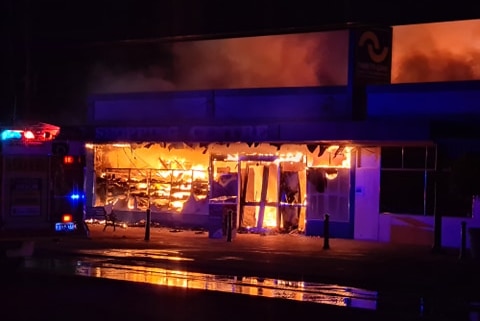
pixel 266 185
pixel 279 158
pixel 271 175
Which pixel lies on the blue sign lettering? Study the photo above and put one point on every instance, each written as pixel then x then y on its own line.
pixel 228 133
pixel 136 133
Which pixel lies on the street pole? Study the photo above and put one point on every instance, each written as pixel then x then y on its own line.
pixel 326 232
pixel 229 225
pixel 147 225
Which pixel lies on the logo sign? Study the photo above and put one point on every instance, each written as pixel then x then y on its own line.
pixel 372 55
pixel 376 52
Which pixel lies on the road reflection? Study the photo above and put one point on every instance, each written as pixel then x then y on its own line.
pixel 273 288
pixel 169 255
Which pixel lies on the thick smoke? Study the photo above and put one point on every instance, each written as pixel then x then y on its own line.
pixel 310 59
pixel 149 79
pixel 424 52
pixel 446 51
pixel 131 68
pixel 268 61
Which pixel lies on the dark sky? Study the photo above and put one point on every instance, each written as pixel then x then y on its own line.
pixel 89 20
pixel 51 45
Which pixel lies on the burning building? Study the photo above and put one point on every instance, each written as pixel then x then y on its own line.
pixel 194 156
pixel 268 182
pixel 384 178
pixel 277 157
pixel 384 162
pixel 190 174
pixel 373 156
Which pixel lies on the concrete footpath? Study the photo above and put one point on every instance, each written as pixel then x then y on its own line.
pixel 370 265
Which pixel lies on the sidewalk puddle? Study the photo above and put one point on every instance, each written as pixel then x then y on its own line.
pixel 272 288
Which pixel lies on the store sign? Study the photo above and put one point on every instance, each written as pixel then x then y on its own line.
pixel 136 133
pixel 187 133
pixel 372 55
pixel 370 61
pixel 229 133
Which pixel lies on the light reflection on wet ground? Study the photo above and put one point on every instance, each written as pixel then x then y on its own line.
pixel 169 255
pixel 272 288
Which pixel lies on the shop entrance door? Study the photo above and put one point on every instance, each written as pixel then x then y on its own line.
pixel 259 193
pixel 328 191
pixel 292 195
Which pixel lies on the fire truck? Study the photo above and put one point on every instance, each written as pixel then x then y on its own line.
pixel 42 181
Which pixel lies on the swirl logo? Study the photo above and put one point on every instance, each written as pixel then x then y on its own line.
pixel 375 52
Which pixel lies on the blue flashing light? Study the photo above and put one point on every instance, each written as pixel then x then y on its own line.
pixel 11 134
pixel 76 196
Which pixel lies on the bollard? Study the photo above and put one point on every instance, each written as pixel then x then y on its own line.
pixel 463 247
pixel 229 225
pixel 326 232
pixel 147 225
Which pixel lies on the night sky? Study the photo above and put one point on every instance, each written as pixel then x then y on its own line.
pixel 52 47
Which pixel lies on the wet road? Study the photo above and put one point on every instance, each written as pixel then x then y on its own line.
pixel 253 286
pixel 40 296
pixel 356 303
pixel 252 276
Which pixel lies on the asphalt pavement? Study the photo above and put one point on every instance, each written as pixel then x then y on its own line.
pixel 374 265
pixel 393 270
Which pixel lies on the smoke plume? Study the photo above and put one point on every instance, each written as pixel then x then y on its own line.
pixel 421 53
pixel 309 59
pixel 447 51
pixel 268 61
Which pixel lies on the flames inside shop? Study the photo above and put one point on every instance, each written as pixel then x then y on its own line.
pixel 265 183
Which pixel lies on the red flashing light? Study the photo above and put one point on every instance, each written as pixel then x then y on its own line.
pixel 67 218
pixel 68 159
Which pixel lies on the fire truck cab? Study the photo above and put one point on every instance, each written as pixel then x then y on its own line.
pixel 42 180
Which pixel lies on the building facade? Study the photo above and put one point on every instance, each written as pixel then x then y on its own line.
pixel 190 155
pixel 377 158
pixel 389 163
